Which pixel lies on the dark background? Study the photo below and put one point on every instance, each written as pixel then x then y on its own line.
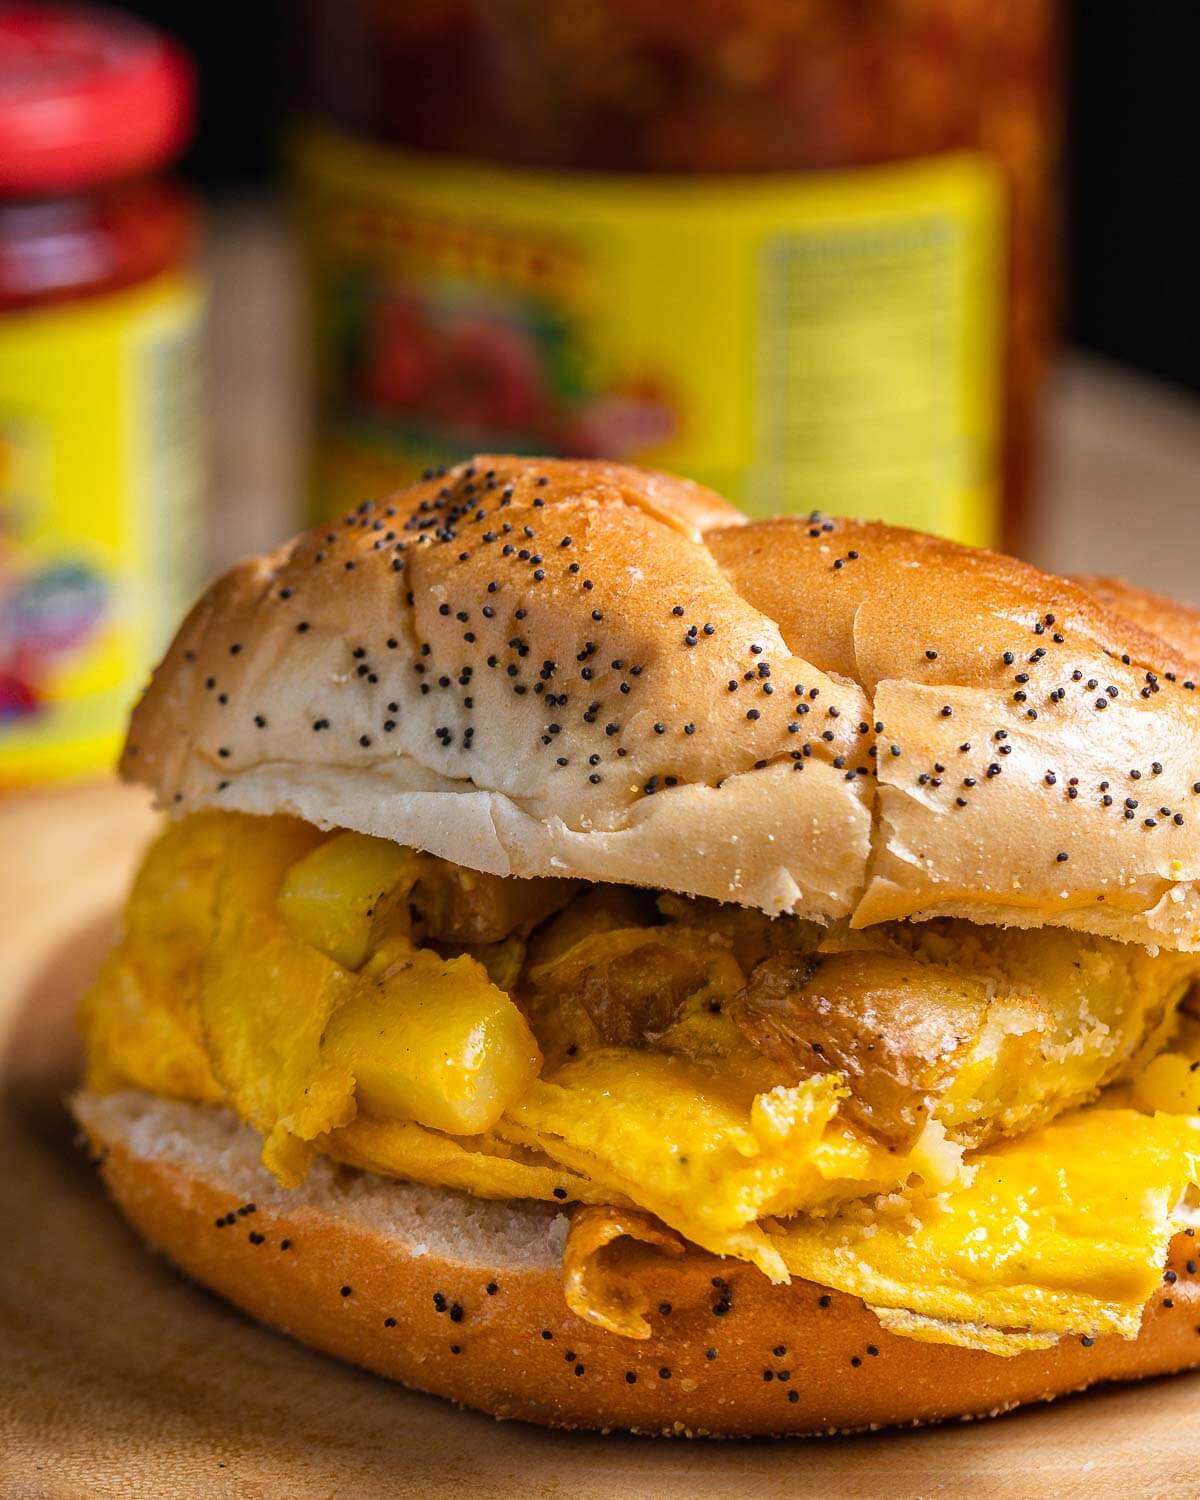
pixel 1131 220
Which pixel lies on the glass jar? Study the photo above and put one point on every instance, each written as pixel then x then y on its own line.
pixel 798 249
pixel 99 415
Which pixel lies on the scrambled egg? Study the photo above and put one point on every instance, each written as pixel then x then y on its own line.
pixel 1065 1228
pixel 894 1114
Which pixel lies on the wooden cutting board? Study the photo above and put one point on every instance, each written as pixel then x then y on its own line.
pixel 118 1378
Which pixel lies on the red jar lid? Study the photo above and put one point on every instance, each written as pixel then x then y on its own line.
pixel 87 95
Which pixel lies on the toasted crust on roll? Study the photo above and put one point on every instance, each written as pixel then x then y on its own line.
pixel 463 1298
pixel 552 668
pixel 1175 623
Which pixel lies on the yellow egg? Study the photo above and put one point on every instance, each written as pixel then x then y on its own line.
pixel 1063 1230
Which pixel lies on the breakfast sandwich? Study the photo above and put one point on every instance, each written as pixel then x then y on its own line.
pixel 615 964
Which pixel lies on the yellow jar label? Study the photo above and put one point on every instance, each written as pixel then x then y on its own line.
pixel 100 541
pixel 829 340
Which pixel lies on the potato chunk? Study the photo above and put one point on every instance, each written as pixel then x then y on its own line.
pixel 329 897
pixel 990 1032
pixel 458 905
pixel 626 987
pixel 752 935
pixel 894 1028
pixel 432 1040
pixel 1171 1083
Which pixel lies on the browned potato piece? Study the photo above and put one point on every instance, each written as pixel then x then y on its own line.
pixel 895 1028
pixel 624 988
pixel 597 909
pixel 502 961
pixel 458 905
pixel 751 934
pixel 989 1031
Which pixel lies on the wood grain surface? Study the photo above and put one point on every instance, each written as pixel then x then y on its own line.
pixel 118 1378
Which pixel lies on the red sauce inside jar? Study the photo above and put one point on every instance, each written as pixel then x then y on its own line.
pixel 91 104
pixel 88 244
pixel 731 87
